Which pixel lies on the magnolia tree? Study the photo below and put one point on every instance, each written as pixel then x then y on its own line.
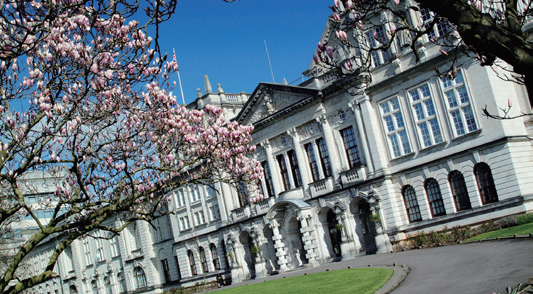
pixel 489 30
pixel 85 97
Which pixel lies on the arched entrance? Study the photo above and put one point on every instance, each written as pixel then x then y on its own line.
pixel 365 227
pixel 296 248
pixel 268 250
pixel 335 232
pixel 248 260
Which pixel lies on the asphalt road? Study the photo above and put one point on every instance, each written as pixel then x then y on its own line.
pixel 484 267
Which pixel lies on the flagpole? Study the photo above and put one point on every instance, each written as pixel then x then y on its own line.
pixel 179 78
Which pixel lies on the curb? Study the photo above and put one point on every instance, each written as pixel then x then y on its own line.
pixel 400 273
pixel 525 236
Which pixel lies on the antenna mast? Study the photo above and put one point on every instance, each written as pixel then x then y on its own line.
pixel 266 48
pixel 179 78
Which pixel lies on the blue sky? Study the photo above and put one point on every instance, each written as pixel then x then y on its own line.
pixel 226 41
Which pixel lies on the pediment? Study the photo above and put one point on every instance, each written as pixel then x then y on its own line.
pixel 270 99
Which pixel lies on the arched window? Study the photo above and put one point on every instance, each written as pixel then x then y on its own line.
pixel 203 260
pixel 460 194
pixel 216 261
pixel 122 283
pixel 140 277
pixel 411 204
pixel 107 285
pixel 435 197
pixel 192 263
pixel 485 183
pixel 94 286
pixel 73 289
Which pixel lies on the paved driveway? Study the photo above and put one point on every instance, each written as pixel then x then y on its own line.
pixel 483 267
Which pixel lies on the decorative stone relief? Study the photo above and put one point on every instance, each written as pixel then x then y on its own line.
pixel 260 152
pixel 273 102
pixel 308 130
pixel 280 142
pixel 339 116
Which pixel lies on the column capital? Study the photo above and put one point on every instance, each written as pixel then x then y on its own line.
pixel 322 119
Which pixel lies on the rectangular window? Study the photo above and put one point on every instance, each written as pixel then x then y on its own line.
pixel 375 39
pixel 268 179
pixel 113 243
pixel 395 127
pixel 436 30
pixel 324 156
pixel 215 213
pixel 166 271
pixel 199 217
pixel 295 169
pixel 350 144
pixel 195 192
pixel 459 106
pixel 99 247
pixel 181 198
pixel 210 191
pixel 313 165
pixel 184 223
pixel 425 116
pixel 87 252
pixel 284 172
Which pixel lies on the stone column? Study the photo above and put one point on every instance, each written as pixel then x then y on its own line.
pixel 300 158
pixel 274 171
pixel 281 252
pixel 288 166
pixel 351 234
pixel 383 243
pixel 236 269
pixel 362 132
pixel 260 264
pixel 309 239
pixel 330 143
pixel 346 249
pixel 318 160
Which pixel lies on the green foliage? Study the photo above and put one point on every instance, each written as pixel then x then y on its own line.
pixel 516 230
pixel 524 219
pixel 255 249
pixel 339 227
pixel 375 217
pixel 361 281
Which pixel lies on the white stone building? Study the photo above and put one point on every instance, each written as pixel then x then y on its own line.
pixel 350 165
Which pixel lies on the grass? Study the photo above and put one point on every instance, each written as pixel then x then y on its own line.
pixel 360 280
pixel 526 228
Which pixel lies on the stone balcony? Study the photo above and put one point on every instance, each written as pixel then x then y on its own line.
pixel 353 176
pixel 321 187
pixel 296 193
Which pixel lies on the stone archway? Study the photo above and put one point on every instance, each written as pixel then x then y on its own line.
pixel 269 251
pixel 329 236
pixel 248 261
pixel 365 228
pixel 296 248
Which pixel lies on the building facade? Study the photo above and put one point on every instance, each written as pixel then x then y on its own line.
pixel 352 164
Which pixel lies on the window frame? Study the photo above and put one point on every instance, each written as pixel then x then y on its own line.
pixel 381 56
pixel 397 138
pixel 434 196
pixel 411 205
pixel 486 184
pixel 312 159
pixel 295 169
pixel 324 157
pixel 459 190
pixel 422 117
pixel 284 172
pixel 461 115
pixel 140 277
pixel 351 150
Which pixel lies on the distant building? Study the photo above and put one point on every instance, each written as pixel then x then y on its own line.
pixel 350 166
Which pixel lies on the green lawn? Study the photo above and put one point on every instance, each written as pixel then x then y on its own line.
pixel 360 280
pixel 516 230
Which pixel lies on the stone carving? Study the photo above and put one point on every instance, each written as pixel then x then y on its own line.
pixel 339 116
pixel 280 142
pixel 308 130
pixel 260 152
pixel 273 102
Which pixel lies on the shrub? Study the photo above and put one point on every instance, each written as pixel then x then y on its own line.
pixel 524 219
